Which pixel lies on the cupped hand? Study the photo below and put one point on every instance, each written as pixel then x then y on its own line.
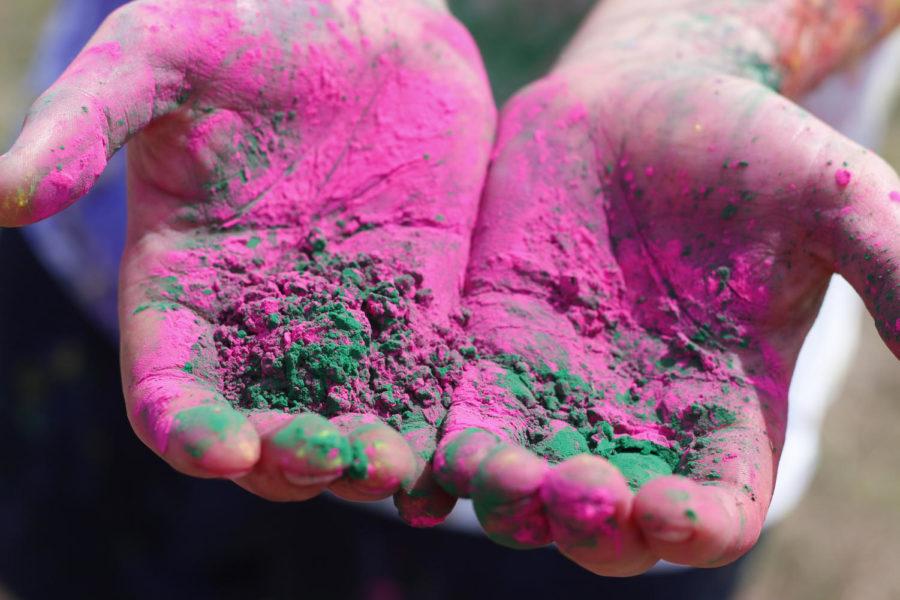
pixel 303 180
pixel 653 245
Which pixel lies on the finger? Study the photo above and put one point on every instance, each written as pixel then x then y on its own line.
pixel 113 88
pixel 506 495
pixel 457 458
pixel 381 460
pixel 422 502
pixel 688 523
pixel 866 234
pixel 480 417
pixel 588 506
pixel 174 408
pixel 731 454
pixel 301 455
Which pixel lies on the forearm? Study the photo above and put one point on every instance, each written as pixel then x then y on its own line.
pixel 789 45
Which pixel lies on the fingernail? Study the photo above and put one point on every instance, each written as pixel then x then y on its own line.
pixel 309 480
pixel 672 535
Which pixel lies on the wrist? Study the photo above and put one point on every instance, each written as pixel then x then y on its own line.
pixel 788 45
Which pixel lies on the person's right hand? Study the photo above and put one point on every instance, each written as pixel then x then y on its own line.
pixel 654 242
pixel 331 151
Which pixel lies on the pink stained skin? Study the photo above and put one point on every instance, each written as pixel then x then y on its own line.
pixel 251 125
pixel 625 213
pixel 612 206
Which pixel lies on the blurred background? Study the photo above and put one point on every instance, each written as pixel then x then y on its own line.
pixel 842 542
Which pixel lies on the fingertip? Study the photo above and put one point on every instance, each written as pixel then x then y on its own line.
pixel 57 158
pixel 685 522
pixel 458 457
pixel 15 199
pixel 309 450
pixel 506 495
pixel 381 461
pixel 300 456
pixel 212 440
pixel 585 496
pixel 588 505
pixel 422 502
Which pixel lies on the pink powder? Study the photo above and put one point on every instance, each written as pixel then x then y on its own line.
pixel 842 177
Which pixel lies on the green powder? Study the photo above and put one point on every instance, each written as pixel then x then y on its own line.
pixel 518 385
pixel 638 469
pixel 563 444
pixel 311 370
pixel 639 460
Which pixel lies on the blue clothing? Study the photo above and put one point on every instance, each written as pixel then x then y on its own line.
pixel 83 245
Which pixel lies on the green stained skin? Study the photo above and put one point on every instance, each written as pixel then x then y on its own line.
pixel 691 515
pixel 724 275
pixel 463 440
pixel 452 449
pixel 163 294
pixel 359 463
pixel 315 440
pixel 217 421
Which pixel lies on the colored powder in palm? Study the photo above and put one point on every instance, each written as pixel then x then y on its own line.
pixel 335 335
pixel 638 468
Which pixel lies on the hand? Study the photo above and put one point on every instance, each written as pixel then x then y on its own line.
pixel 303 180
pixel 653 245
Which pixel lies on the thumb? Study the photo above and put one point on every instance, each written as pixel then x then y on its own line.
pixel 865 238
pixel 115 86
